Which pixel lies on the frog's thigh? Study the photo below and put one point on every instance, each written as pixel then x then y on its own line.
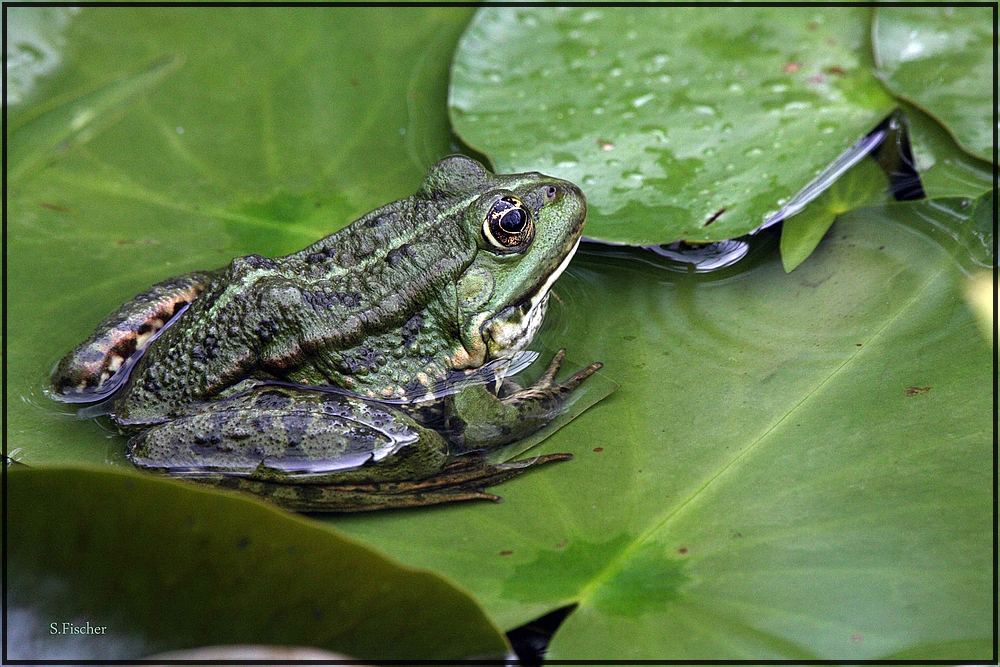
pixel 286 435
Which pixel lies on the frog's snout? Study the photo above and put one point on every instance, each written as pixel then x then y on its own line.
pixel 571 204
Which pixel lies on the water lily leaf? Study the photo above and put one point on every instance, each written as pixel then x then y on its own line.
pixel 795 466
pixel 941 59
pixel 800 234
pixel 165 566
pixel 68 124
pixel 945 169
pixel 678 122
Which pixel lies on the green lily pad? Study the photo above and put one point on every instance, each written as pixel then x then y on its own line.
pixel 796 465
pixel 941 59
pixel 800 234
pixel 162 566
pixel 688 123
pixel 945 169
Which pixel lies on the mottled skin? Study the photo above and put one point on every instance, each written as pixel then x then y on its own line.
pixel 390 308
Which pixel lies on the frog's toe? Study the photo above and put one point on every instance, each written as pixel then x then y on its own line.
pixel 549 376
pixel 462 479
pixel 546 389
pixel 577 378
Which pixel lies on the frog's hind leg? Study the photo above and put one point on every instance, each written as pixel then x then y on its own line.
pixel 84 373
pixel 462 479
pixel 319 451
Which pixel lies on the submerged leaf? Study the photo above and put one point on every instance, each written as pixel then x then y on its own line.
pixel 964 226
pixel 801 233
pixel 60 127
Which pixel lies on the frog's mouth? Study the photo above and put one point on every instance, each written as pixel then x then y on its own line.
pixel 512 329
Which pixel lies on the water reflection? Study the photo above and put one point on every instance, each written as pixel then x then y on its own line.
pixel 737 254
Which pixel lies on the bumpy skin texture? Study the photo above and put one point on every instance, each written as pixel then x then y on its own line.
pixel 388 308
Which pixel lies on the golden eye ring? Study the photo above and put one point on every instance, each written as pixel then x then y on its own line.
pixel 509 224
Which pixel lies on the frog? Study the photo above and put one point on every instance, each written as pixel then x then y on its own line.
pixel 368 371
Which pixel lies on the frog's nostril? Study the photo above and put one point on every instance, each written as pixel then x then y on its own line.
pixel 551 192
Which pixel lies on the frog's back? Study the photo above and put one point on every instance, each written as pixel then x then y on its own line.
pixel 307 317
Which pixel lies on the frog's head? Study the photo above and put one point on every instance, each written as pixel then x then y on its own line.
pixel 526 228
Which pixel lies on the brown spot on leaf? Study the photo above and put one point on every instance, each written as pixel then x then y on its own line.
pixel 55 207
pixel 506 552
pixel 835 71
pixel 916 391
pixel 714 216
pixel 598 449
pixel 682 550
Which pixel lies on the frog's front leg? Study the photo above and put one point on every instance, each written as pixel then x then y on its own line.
pixel 483 421
pixel 315 451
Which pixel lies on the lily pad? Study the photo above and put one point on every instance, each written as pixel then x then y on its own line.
pixel 941 59
pixel 678 122
pixel 945 169
pixel 796 466
pixel 161 565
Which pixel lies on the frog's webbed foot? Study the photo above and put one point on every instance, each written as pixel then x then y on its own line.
pixel 464 478
pixel 545 387
pixel 483 421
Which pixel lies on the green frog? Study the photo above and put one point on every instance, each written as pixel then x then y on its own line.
pixel 364 372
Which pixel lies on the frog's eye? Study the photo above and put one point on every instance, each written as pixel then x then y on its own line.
pixel 508 224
